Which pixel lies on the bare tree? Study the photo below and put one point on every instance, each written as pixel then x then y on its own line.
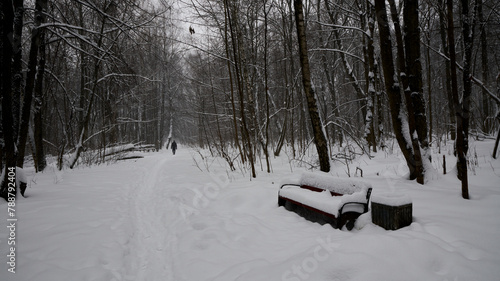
pixel 40 160
pixel 317 126
pixel 6 55
pixel 393 88
pixel 36 42
pixel 463 106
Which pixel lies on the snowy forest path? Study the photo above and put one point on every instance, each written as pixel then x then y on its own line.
pixel 154 214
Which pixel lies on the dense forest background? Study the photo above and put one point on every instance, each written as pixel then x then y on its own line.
pixel 247 79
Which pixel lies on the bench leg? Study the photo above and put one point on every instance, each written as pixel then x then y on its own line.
pixel 348 219
pixel 281 202
pixel 350 225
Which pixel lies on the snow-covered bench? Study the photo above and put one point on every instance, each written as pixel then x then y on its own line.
pixel 325 199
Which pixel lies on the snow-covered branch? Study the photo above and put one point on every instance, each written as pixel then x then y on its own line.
pixel 339 51
pixel 105 77
pixel 343 27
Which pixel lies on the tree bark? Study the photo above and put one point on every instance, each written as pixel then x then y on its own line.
pixel 429 86
pixel 330 77
pixel 404 79
pixel 372 93
pixel 288 89
pixel 486 122
pixel 233 105
pixel 462 149
pixel 319 136
pixel 414 72
pixel 495 148
pixel 36 39
pixel 392 87
pixel 266 90
pixel 6 54
pixel 454 82
pixel 448 77
pixel 40 161
pixel 241 78
pixel 17 67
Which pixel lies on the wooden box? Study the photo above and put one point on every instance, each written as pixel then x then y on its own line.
pixel 391 211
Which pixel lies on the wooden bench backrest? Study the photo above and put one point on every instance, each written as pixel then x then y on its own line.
pixel 312 188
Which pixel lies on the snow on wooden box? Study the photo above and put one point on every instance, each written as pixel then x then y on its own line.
pixel 391 211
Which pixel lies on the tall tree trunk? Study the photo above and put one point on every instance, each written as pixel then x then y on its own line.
pixel 462 149
pixel 380 107
pixel 288 89
pixel 295 91
pixel 266 91
pixel 331 83
pixel 36 40
pixel 84 71
pixel 429 85
pixel 405 81
pixel 454 80
pixel 486 122
pixel 414 69
pixel 372 93
pixel 393 87
pixel 495 148
pixel 329 74
pixel 319 136
pixel 448 78
pixel 17 67
pixel 231 84
pixel 40 161
pixel 238 53
pixel 414 73
pixel 6 54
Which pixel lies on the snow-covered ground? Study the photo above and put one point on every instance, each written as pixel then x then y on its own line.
pixel 162 218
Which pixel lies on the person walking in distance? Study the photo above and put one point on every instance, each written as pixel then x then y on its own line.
pixel 174 147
